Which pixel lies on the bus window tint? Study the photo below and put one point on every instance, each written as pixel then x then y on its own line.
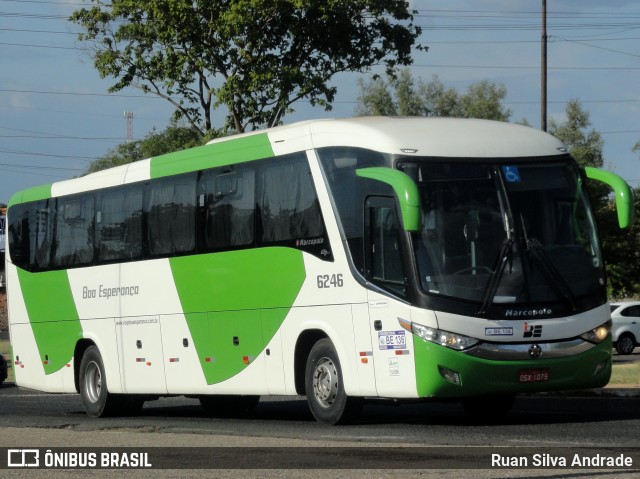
pixel 289 205
pixel 228 199
pixel 383 235
pixel 74 231
pixel 171 216
pixel 119 225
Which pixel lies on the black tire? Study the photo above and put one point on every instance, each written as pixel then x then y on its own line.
pixel 324 386
pixel 93 386
pixel 626 343
pixel 228 406
pixel 488 408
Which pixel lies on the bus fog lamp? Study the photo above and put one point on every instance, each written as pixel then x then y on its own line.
pixel 450 375
pixel 601 367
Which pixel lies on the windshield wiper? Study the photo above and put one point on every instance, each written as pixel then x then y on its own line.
pixel 534 246
pixel 496 275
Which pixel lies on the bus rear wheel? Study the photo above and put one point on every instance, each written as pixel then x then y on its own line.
pixel 93 385
pixel 324 386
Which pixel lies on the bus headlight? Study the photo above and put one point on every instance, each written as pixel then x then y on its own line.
pixel 599 334
pixel 455 341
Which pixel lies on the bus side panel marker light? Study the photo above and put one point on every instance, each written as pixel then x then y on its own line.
pixel 68 365
pixel 174 360
pixel 248 359
pixel 148 363
pixel 140 360
pixel 402 352
pixel 46 359
pixel 364 356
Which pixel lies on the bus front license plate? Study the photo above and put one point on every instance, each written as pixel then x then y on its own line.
pixel 533 375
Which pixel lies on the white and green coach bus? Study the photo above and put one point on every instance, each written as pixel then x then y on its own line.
pixel 399 258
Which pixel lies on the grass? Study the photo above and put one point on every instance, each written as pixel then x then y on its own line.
pixel 623 374
pixel 626 374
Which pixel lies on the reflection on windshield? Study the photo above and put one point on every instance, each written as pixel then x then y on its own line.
pixel 510 234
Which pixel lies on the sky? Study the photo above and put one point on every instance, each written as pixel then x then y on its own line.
pixel 56 114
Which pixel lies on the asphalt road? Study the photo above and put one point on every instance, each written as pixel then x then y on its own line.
pixel 605 423
pixel 592 423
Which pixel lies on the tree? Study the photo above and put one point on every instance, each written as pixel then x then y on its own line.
pixel 173 138
pixel 253 58
pixel 586 145
pixel 619 247
pixel 402 96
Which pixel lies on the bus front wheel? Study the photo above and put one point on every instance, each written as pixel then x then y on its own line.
pixel 93 385
pixel 324 386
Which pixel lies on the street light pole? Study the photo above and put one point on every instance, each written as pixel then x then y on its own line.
pixel 543 73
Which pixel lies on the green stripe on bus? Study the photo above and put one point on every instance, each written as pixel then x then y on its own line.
pixel 32 194
pixel 53 316
pixel 234 303
pixel 253 147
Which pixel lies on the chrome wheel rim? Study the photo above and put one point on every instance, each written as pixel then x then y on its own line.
pixel 325 382
pixel 93 382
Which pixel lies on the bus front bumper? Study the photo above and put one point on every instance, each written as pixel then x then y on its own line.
pixel 443 372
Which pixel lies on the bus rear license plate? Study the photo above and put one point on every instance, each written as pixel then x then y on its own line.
pixel 533 375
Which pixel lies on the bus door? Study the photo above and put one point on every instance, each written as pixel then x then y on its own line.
pixel 138 327
pixel 392 345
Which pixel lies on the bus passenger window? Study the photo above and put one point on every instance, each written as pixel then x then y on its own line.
pixel 171 216
pixel 228 200
pixel 119 225
pixel 73 244
pixel 289 205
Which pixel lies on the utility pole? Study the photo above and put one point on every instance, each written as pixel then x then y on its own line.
pixel 543 72
pixel 129 119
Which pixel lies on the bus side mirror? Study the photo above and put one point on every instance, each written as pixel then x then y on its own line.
pixel 624 197
pixel 405 189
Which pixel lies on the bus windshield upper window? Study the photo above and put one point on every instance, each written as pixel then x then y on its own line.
pixel 506 234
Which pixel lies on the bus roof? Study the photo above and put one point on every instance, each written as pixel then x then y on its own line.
pixel 436 137
pixel 419 136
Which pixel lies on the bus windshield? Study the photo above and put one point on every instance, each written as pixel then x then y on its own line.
pixel 508 233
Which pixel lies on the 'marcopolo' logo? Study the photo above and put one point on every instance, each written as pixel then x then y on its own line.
pixel 519 313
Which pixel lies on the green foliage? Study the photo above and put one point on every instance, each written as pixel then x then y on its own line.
pixel 586 145
pixel 173 138
pixel 251 58
pixel 620 248
pixel 402 95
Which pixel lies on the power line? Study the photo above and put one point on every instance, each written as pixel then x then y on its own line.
pixel 44 92
pixel 37 46
pixel 39 167
pixel 48 155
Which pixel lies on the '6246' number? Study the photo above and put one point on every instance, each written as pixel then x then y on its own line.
pixel 330 281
